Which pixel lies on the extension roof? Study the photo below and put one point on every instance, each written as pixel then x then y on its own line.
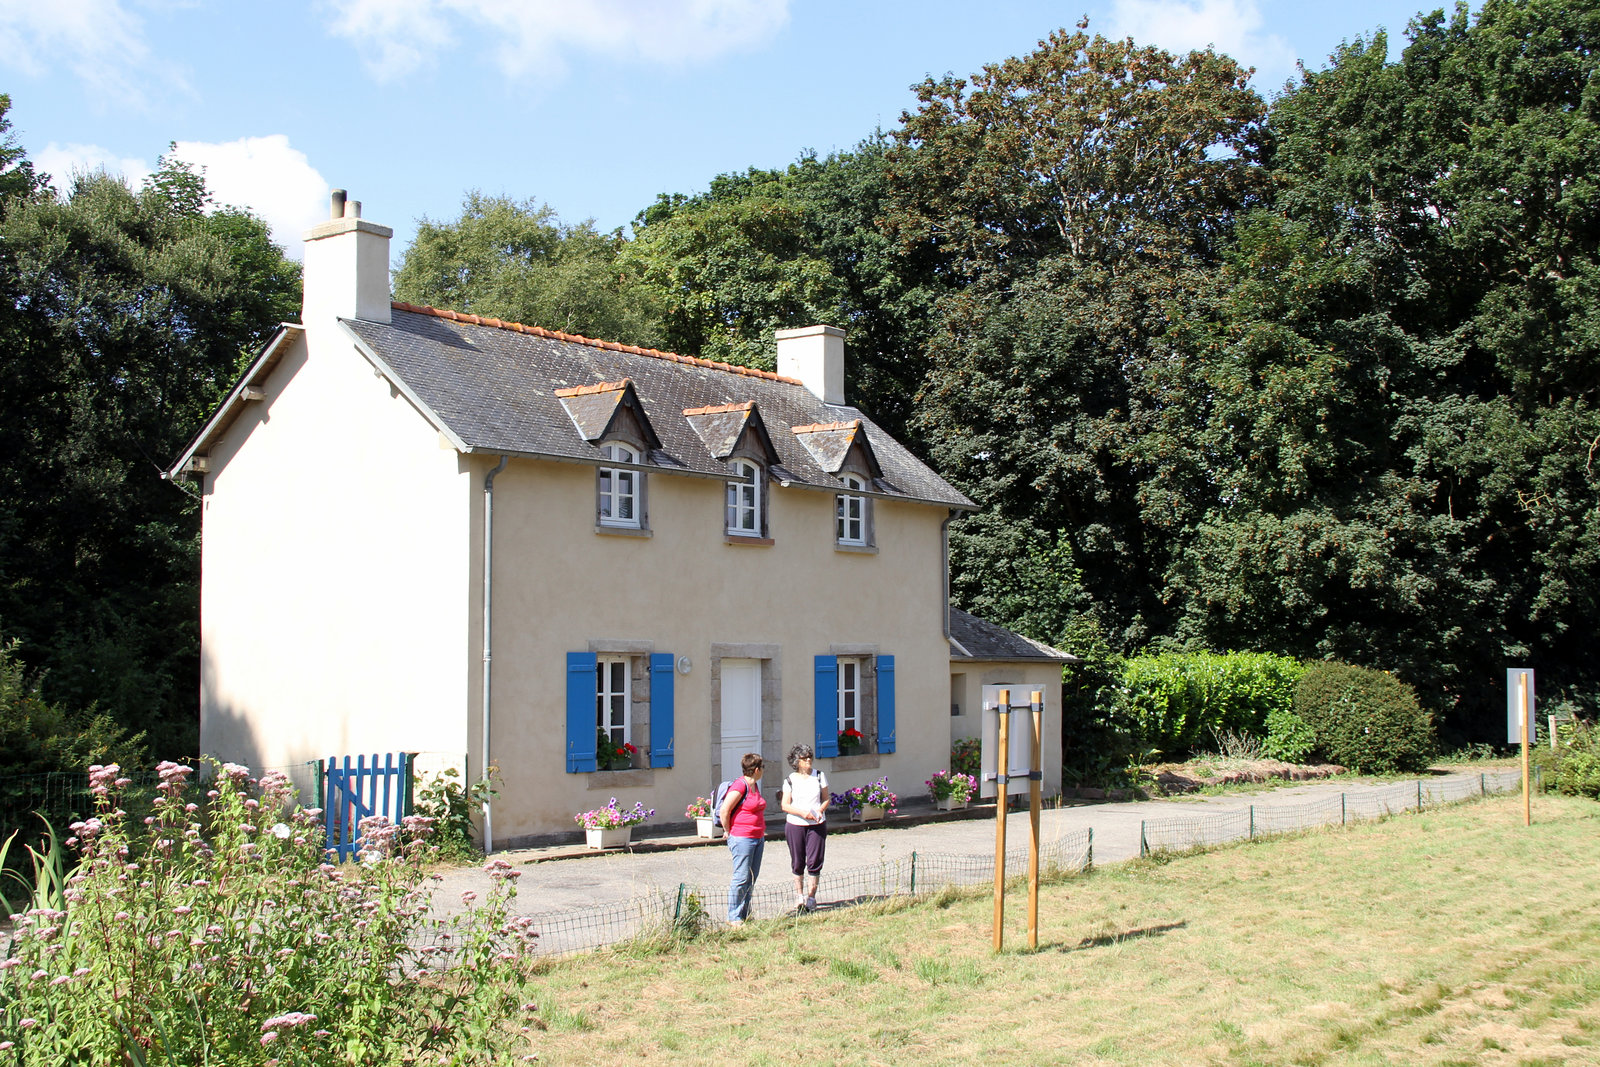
pixel 972 638
pixel 507 389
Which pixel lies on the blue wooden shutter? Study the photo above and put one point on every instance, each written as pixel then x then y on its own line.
pixel 581 724
pixel 885 703
pixel 827 706
pixel 661 708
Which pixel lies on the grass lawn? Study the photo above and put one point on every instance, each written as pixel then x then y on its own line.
pixel 1453 937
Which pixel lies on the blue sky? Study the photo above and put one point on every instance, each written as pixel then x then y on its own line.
pixel 592 106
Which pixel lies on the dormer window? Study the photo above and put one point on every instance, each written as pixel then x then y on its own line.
pixel 850 524
pixel 744 499
pixel 619 489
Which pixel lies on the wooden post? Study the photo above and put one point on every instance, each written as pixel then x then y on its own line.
pixel 1002 765
pixel 1527 786
pixel 1035 800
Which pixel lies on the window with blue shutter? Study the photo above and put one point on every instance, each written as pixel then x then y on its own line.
pixel 661 708
pixel 581 728
pixel 885 703
pixel 827 706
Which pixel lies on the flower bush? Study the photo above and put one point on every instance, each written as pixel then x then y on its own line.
pixel 612 817
pixel 851 741
pixel 610 756
pixel 966 756
pixel 875 794
pixel 952 785
pixel 213 932
pixel 699 808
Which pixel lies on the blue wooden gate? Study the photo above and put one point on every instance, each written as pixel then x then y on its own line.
pixel 351 793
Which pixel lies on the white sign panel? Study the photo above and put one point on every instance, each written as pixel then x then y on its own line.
pixel 1514 704
pixel 1019 738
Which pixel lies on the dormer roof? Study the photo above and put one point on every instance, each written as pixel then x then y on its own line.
pixel 836 444
pixel 503 388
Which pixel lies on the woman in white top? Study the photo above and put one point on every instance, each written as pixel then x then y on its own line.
pixel 805 798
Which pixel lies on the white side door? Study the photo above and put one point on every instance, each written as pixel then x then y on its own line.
pixel 741 712
pixel 1019 739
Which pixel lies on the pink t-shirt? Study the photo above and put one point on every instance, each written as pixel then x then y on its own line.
pixel 750 816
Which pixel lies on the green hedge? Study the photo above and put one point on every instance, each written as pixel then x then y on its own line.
pixel 1173 702
pixel 1364 719
pixel 1573 766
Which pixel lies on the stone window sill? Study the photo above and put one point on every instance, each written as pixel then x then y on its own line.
pixel 621 531
pixel 861 761
pixel 860 550
pixel 740 539
pixel 633 778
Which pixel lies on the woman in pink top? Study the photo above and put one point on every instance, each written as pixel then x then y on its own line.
pixel 744 813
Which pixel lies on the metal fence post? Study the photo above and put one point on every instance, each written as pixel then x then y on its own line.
pixel 1341 809
pixel 677 909
pixel 1419 794
pixel 1252 822
pixel 913 873
pixel 1089 863
pixel 1144 847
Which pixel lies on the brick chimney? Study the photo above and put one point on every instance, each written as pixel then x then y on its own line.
pixel 346 266
pixel 815 355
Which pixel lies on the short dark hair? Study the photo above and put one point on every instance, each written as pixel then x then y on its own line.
pixel 798 753
pixel 752 763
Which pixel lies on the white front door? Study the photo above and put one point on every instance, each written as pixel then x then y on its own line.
pixel 741 712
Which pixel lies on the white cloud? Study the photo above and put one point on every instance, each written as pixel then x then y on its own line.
pixel 535 38
pixel 100 41
pixel 63 162
pixel 1231 26
pixel 264 174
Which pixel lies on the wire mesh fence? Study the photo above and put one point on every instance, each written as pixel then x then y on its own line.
pixel 705 904
pixel 1202 831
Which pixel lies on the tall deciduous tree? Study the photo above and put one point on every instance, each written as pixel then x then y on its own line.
pixel 1401 387
pixel 125 317
pixel 1076 199
pixel 516 260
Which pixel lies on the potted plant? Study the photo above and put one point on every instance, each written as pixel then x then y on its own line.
pixel 610 756
pixel 952 789
pixel 869 802
pixel 611 826
pixel 699 810
pixel 850 742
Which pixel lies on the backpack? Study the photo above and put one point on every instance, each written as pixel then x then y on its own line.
pixel 722 794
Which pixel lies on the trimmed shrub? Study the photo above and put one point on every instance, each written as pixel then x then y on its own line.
pixel 1173 701
pixel 1367 720
pixel 1573 765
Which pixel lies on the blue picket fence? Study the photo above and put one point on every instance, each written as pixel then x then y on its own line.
pixel 351 793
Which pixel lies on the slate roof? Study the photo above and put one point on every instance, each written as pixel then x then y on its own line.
pixel 972 638
pixel 492 387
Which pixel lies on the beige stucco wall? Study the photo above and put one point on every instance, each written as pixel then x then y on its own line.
pixel 559 586
pixel 967 679
pixel 336 587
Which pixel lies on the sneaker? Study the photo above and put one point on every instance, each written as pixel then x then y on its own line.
pixel 811 904
pixel 735 922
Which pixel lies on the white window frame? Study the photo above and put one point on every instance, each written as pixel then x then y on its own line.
pixel 844 521
pixel 743 511
pixel 850 717
pixel 619 488
pixel 607 696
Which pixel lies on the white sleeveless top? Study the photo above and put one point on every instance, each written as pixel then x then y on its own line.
pixel 805 791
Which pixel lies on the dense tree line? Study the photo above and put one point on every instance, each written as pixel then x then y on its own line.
pixel 1314 376
pixel 124 315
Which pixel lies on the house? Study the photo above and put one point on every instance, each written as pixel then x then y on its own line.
pixel 434 532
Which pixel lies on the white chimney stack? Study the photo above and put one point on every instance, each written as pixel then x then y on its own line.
pixel 346 266
pixel 814 355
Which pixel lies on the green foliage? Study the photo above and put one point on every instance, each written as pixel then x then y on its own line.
pixel 518 261
pixel 453 807
pixel 1573 765
pixel 202 958
pixel 1173 701
pixel 1366 720
pixel 966 756
pixel 124 316
pixel 1289 738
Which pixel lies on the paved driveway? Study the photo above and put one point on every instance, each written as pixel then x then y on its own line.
pixel 601 897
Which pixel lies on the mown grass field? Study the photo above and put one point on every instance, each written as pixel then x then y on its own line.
pixel 1453 937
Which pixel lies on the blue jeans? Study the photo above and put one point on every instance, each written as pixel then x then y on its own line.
pixel 746 866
